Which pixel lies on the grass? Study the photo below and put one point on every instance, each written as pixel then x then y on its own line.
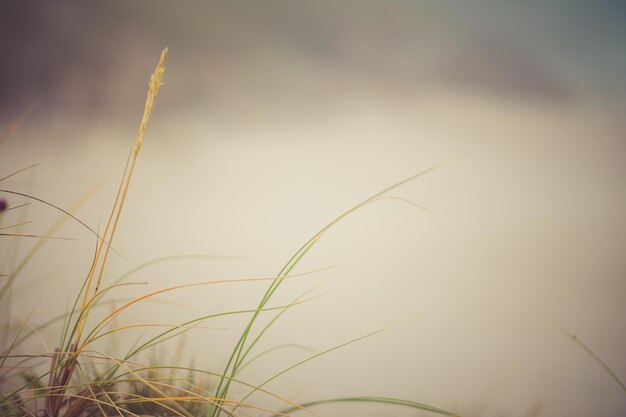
pixel 77 379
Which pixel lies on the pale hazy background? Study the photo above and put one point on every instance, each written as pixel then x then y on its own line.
pixel 277 116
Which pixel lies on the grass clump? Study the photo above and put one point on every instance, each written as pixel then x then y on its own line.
pixel 75 379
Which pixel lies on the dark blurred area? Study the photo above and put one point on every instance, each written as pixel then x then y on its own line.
pixel 81 55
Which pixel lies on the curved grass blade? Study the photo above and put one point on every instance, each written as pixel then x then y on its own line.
pixel 37 246
pixel 378 400
pixel 18 171
pixel 18 122
pixel 236 355
pixel 310 358
pixel 599 361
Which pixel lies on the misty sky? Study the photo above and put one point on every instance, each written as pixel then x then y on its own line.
pixel 75 53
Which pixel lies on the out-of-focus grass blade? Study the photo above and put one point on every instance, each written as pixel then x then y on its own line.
pixel 378 400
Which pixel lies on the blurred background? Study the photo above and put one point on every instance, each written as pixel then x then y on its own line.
pixel 278 116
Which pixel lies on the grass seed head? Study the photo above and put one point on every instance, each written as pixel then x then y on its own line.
pixel 156 80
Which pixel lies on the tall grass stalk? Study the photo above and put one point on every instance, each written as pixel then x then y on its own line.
pixel 83 381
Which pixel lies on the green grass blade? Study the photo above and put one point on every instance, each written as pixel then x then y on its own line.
pixel 378 400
